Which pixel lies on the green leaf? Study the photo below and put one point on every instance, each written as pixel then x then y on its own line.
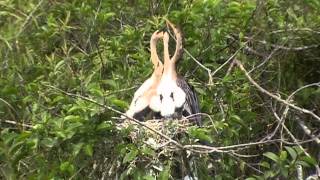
pixel 283 155
pixel 72 118
pixel 76 149
pixel 120 103
pixel 292 152
pixel 67 167
pixel 303 163
pixel 130 156
pixel 309 160
pixel 88 150
pixel 164 174
pixel 272 156
pixel 265 164
pixel 48 142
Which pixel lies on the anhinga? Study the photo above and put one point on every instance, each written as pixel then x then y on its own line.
pixel 144 101
pixel 176 95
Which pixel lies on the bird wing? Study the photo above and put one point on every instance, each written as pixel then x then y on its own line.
pixel 191 106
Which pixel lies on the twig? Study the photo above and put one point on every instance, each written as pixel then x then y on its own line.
pixel 265 60
pixel 227 61
pixel 301 48
pixel 296 141
pixel 201 65
pixel 210 149
pixel 274 96
pixel 28 18
pixel 16 123
pixel 295 29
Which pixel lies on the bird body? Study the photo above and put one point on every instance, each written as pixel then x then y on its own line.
pixel 165 94
pixel 143 101
pixel 177 96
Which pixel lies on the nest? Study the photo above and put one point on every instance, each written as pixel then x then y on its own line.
pixel 152 131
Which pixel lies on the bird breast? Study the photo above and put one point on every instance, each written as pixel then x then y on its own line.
pixel 171 96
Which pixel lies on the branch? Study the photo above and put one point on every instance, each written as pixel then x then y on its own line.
pixel 301 48
pixel 28 18
pixel 16 123
pixel 306 111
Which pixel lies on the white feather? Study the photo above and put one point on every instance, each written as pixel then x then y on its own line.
pixel 179 97
pixel 155 103
pixel 137 104
pixel 166 89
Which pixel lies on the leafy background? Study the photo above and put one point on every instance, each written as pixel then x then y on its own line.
pixel 99 49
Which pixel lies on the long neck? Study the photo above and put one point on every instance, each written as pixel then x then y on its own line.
pixel 157 64
pixel 153 49
pixel 169 65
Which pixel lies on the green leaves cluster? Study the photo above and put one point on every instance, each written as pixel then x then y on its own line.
pixel 99 50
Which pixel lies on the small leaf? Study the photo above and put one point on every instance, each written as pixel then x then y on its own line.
pixel 76 149
pixel 67 167
pixel 292 152
pixel 48 142
pixel 120 103
pixel 72 118
pixel 309 160
pixel 88 150
pixel 271 156
pixel 265 164
pixel 130 156
pixel 283 155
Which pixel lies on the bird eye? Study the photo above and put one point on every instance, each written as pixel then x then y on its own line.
pixel 161 97
pixel 171 95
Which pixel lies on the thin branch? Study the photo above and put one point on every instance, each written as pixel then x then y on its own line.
pixel 201 65
pixel 274 96
pixel 16 123
pixel 265 60
pixel 28 18
pixel 301 48
pixel 227 61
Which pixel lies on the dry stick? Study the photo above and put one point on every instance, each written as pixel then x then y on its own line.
pixel 301 123
pixel 301 48
pixel 296 141
pixel 265 60
pixel 222 148
pixel 16 123
pixel 227 61
pixel 116 111
pixel 201 65
pixel 274 96
pixel 295 29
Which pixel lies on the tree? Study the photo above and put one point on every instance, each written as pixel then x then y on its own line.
pixel 68 67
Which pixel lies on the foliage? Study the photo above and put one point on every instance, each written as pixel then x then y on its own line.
pixel 99 50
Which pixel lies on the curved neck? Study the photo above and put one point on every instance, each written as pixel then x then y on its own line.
pixel 169 64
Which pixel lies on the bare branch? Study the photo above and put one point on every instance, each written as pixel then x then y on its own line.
pixel 16 123
pixel 274 96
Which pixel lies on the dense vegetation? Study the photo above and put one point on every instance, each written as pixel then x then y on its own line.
pixel 65 66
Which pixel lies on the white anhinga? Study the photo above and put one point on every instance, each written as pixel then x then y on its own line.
pixel 144 101
pixel 176 95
